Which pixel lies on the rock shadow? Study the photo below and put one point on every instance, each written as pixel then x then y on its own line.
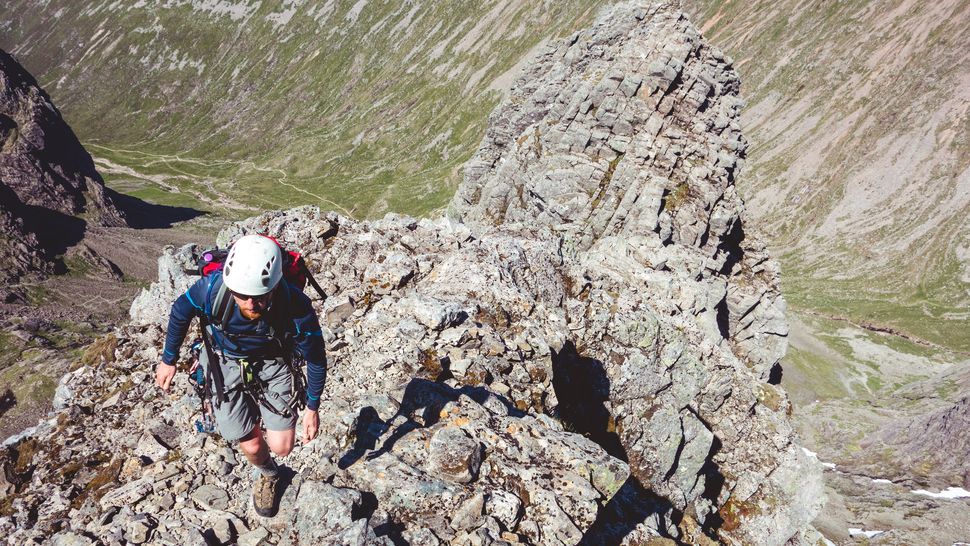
pixel 632 505
pixel 56 232
pixel 7 401
pixel 144 215
pixel 421 406
pixel 583 389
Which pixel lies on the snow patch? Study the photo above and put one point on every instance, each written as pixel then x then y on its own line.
pixel 948 493
pixel 881 480
pixel 814 455
pixel 859 532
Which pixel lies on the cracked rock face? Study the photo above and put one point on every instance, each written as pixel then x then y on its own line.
pixel 45 175
pixel 40 158
pixel 579 353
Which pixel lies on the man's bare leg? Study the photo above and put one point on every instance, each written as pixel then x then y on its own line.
pixel 281 441
pixel 254 447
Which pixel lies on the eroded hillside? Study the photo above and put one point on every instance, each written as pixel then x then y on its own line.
pixel 859 119
pixel 860 130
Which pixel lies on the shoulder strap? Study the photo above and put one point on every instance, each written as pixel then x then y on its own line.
pixel 222 306
pixel 280 314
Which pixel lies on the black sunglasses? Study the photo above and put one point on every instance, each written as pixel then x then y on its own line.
pixel 245 297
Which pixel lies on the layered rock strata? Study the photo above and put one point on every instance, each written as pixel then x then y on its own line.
pixel 46 176
pixel 20 251
pixel 580 353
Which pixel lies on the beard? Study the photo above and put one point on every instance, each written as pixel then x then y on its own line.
pixel 251 315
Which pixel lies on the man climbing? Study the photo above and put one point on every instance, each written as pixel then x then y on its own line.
pixel 253 320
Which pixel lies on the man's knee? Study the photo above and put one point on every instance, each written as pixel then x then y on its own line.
pixel 252 442
pixel 281 442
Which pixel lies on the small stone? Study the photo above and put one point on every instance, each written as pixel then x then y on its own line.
pixel 70 539
pixel 339 311
pixel 434 313
pixel 112 400
pixel 150 447
pixel 211 497
pixel 127 494
pixel 166 502
pixel 630 84
pixel 139 529
pixel 223 529
pixel 256 537
pixel 132 469
pixel 324 511
pixel 505 507
pixel 501 388
pixel 62 395
pixel 389 275
pixel 469 514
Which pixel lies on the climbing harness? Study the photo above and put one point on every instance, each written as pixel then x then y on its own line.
pixel 206 423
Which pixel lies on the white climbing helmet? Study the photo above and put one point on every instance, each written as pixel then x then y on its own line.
pixel 254 266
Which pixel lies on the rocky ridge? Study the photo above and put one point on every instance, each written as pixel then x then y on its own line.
pixel 46 176
pixel 582 352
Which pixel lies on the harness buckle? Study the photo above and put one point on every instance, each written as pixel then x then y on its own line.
pixel 246 372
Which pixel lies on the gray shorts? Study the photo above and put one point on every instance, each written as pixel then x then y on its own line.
pixel 240 412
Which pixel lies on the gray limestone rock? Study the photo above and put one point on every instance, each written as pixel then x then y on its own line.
pixel 255 537
pixel 139 529
pixel 432 312
pixel 324 515
pixel 211 497
pixel 454 456
pixel 70 539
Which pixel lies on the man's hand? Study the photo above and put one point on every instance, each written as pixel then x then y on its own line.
pixel 164 373
pixel 311 422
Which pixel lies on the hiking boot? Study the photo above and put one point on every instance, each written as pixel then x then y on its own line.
pixel 264 495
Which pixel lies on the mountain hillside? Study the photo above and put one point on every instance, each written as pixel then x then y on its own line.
pixel 49 188
pixel 359 105
pixel 581 353
pixel 859 168
pixel 859 119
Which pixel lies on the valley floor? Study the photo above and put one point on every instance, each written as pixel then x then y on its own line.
pixel 851 388
pixel 42 337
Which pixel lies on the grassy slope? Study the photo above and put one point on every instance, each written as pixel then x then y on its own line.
pixel 860 148
pixel 361 106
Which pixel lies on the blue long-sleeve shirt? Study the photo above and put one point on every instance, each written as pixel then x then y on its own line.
pixel 251 338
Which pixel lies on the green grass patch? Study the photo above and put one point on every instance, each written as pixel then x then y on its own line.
pixel 816 373
pixel 859 301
